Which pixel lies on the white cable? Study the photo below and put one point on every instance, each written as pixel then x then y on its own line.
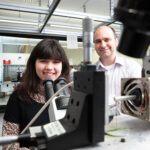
pixel 45 105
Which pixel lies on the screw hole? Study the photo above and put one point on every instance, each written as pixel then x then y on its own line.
pixel 73 120
pixel 72 101
pixel 77 104
pixel 68 116
pixel 89 79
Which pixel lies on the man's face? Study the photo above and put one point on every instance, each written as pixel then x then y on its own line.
pixel 105 42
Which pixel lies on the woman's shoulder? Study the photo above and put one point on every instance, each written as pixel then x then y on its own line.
pixel 14 94
pixel 13 97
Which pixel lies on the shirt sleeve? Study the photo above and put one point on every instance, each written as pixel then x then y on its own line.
pixel 12 113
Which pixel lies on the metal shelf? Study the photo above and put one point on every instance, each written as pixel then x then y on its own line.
pixel 10 71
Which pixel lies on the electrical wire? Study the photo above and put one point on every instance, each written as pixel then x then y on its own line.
pixel 109 133
pixel 45 105
pixel 113 135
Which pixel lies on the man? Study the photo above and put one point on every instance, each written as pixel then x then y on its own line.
pixel 115 67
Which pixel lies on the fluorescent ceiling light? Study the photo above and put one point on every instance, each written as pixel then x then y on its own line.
pixel 18 22
pixel 60 32
pixel 67 27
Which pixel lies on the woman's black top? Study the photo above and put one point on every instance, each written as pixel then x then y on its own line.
pixel 22 113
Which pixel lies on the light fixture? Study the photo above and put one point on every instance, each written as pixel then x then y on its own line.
pixel 67 27
pixel 18 22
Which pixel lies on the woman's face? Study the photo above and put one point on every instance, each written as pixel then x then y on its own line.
pixel 48 68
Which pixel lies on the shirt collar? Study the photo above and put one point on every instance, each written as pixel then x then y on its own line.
pixel 118 61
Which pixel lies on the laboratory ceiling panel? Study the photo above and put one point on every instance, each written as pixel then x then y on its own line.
pixel 58 18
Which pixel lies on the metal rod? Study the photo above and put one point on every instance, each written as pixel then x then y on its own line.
pixel 8 139
pixel 124 98
pixel 51 10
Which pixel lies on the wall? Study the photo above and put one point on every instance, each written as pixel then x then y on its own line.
pixel 75 56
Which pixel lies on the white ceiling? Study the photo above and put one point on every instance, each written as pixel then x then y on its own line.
pixel 17 16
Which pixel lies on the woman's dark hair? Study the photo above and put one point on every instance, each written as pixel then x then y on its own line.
pixel 45 49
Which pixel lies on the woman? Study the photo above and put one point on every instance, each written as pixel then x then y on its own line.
pixel 47 60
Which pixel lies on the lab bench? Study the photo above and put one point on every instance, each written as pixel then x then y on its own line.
pixel 124 133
